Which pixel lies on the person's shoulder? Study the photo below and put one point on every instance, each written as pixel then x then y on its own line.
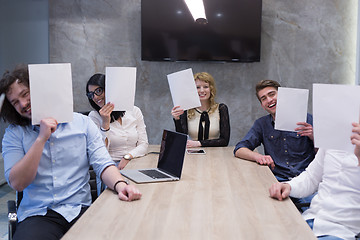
pixel 15 130
pixel 136 110
pixel 222 106
pixel 79 115
pixel 264 118
pixel 79 118
pixel 93 114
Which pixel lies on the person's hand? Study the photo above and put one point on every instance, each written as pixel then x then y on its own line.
pixel 355 139
pixel 280 191
pixel 122 163
pixel 192 144
pixel 265 160
pixel 127 192
pixel 305 130
pixel 176 112
pixel 105 112
pixel 47 127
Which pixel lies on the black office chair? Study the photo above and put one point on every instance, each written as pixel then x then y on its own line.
pixel 302 206
pixel 12 205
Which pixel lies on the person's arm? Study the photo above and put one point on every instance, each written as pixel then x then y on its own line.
pixel 308 181
pixel 105 112
pixel 24 171
pixel 224 125
pixel 245 153
pixel 303 185
pixel 96 118
pixel 280 191
pixel 355 139
pixel 142 143
pixel 110 176
pixel 181 122
pixel 103 165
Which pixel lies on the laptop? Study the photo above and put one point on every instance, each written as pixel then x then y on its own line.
pixel 170 162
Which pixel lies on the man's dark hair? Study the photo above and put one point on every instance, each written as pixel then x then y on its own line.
pixel 8 112
pixel 264 84
pixel 98 79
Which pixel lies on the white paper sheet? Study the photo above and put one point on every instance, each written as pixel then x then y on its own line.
pixel 120 84
pixel 335 108
pixel 51 92
pixel 291 107
pixel 183 89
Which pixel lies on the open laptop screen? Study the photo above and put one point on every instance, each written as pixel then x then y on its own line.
pixel 173 146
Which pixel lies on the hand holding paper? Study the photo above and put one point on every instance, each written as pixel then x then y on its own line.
pixel 355 139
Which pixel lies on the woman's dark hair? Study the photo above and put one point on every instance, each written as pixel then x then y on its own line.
pixel 8 112
pixel 98 79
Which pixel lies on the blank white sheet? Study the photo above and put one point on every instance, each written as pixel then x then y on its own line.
pixel 120 85
pixel 183 89
pixel 51 92
pixel 335 108
pixel 291 107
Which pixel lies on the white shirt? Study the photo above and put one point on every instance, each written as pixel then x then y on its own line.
pixel 336 207
pixel 127 138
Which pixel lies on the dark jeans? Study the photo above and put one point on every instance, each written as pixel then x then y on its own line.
pixel 52 226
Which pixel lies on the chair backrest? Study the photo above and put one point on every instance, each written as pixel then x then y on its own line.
pixel 93 184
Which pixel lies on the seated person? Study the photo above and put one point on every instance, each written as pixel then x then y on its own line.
pixel 125 132
pixel 50 164
pixel 334 212
pixel 287 153
pixel 208 125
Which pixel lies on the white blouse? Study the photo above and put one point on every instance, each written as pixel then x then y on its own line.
pixel 214 130
pixel 127 138
pixel 336 207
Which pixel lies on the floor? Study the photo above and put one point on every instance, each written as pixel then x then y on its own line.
pixel 6 193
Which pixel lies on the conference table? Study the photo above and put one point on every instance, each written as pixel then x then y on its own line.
pixel 218 197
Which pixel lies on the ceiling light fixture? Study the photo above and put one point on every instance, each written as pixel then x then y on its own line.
pixel 197 9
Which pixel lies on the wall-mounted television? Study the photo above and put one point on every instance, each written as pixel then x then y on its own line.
pixel 232 32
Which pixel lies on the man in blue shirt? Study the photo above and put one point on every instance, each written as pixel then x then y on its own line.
pixel 287 153
pixel 49 163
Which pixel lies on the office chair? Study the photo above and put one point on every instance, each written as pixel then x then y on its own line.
pixel 12 205
pixel 301 206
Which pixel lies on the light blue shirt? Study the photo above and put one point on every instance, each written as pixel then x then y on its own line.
pixel 61 182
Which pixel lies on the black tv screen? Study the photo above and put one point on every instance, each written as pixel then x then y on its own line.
pixel 231 32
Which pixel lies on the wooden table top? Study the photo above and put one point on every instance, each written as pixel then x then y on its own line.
pixel 218 197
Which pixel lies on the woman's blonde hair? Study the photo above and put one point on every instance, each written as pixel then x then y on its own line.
pixel 206 77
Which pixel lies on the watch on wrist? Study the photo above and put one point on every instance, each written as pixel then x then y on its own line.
pixel 127 157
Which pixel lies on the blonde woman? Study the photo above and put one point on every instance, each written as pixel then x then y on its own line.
pixel 207 125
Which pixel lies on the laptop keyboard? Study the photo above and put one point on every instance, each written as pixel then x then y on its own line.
pixel 154 173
